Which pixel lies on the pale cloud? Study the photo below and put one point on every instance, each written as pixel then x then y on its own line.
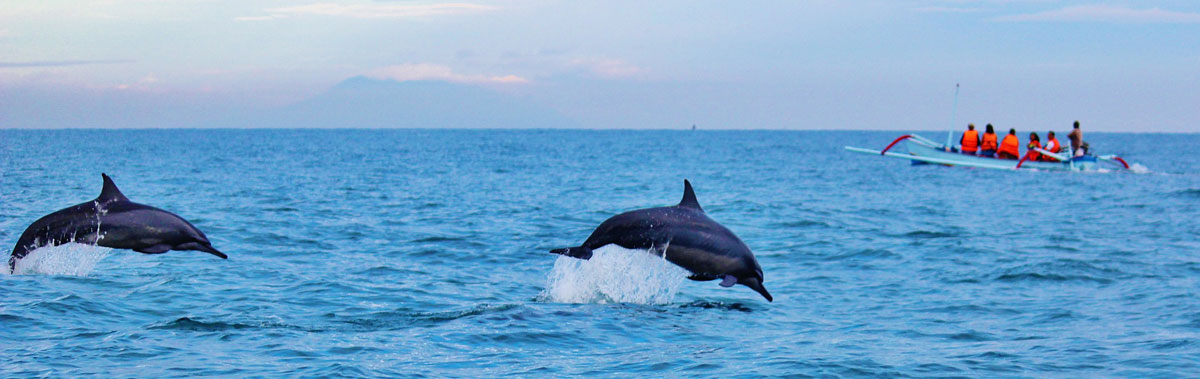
pixel 92 9
pixel 608 67
pixel 937 9
pixel 428 71
pixel 255 18
pixel 146 83
pixel 58 63
pixel 1107 13
pixel 368 10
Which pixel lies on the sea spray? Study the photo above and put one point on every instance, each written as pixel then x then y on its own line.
pixel 74 259
pixel 1137 168
pixel 614 275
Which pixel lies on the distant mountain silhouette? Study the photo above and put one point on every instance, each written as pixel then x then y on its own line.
pixel 362 102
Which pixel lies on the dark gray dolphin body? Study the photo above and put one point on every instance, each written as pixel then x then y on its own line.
pixel 113 221
pixel 686 237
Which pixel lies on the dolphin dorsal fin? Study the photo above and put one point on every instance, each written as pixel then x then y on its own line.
pixel 689 197
pixel 110 192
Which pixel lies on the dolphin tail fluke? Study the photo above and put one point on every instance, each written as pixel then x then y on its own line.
pixel 757 286
pixel 18 253
pixel 575 252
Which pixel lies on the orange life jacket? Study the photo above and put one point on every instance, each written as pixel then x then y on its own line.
pixel 1057 146
pixel 1053 149
pixel 1033 154
pixel 970 141
pixel 989 142
pixel 1010 145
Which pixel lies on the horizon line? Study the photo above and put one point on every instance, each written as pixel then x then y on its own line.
pixel 556 129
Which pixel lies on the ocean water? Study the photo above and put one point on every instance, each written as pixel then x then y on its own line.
pixel 423 253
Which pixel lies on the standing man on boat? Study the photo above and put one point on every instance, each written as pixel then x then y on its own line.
pixel 987 146
pixel 1076 137
pixel 1052 146
pixel 1010 147
pixel 970 140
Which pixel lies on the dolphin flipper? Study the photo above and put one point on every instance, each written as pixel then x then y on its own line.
pixel 156 249
pixel 729 281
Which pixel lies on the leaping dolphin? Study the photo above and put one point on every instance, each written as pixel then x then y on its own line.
pixel 113 221
pixel 685 236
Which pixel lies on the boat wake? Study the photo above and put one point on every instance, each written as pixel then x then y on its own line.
pixel 613 275
pixel 1137 168
pixel 73 259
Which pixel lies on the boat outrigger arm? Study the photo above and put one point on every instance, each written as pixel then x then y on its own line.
pixel 933 160
pixel 923 150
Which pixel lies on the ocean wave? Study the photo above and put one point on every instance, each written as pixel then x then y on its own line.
pixel 1193 193
pixel 1061 270
pixel 801 224
pixel 190 324
pixel 391 320
pixel 970 308
pixel 925 234
pixel 477 310
pixel 702 304
pixel 1033 276
pixel 434 239
pixel 866 254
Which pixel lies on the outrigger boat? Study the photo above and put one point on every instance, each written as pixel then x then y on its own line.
pixel 923 151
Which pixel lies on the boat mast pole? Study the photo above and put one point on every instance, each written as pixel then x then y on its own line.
pixel 953 119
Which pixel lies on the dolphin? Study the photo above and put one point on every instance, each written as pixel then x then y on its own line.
pixel 685 236
pixel 113 221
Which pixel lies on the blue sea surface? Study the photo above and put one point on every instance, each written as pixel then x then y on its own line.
pixel 424 253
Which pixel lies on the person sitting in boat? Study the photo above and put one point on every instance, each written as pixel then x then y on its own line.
pixel 1052 146
pixel 1076 138
pixel 1034 143
pixel 987 145
pixel 1010 147
pixel 970 140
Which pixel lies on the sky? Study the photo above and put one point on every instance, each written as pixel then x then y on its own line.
pixel 1129 66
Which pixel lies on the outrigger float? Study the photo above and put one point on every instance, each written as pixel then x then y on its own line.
pixel 923 151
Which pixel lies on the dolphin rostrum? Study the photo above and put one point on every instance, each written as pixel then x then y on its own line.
pixel 113 221
pixel 685 236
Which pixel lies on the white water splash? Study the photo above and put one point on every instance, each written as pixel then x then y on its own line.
pixel 1137 168
pixel 614 275
pixel 74 259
